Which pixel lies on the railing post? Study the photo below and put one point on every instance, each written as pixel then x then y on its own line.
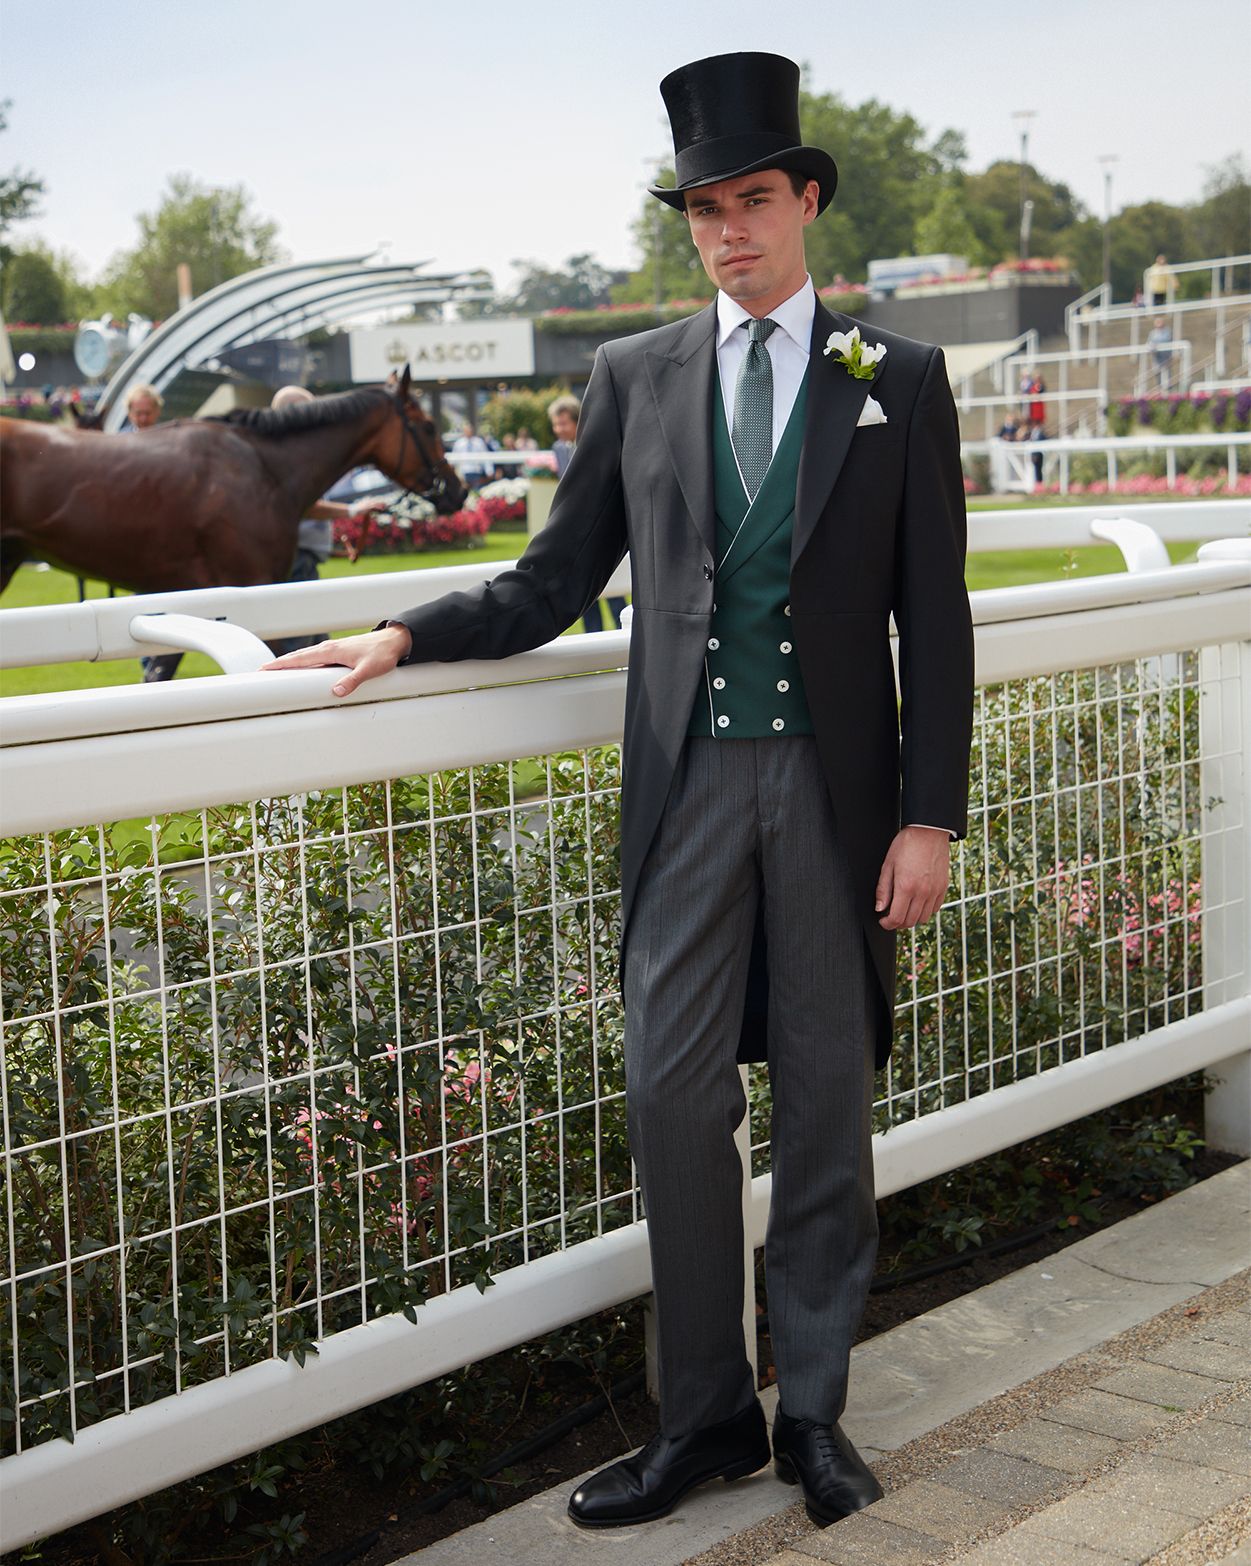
pixel 1225 730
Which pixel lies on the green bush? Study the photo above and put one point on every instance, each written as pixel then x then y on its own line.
pixel 511 412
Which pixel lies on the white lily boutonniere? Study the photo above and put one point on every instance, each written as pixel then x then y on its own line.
pixel 858 358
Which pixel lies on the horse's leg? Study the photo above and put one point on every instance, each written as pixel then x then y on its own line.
pixel 12 553
pixel 163 667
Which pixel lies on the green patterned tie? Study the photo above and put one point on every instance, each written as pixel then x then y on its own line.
pixel 752 433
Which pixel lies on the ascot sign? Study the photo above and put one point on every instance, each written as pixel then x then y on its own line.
pixel 444 351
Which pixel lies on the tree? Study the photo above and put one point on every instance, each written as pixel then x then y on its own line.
pixel 671 268
pixel 993 202
pixel 581 284
pixel 889 177
pixel 1139 234
pixel 947 228
pixel 33 291
pixel 1221 221
pixel 212 229
pixel 20 191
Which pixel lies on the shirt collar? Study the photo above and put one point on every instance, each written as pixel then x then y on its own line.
pixel 793 316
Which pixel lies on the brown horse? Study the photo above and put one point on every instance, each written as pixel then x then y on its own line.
pixel 204 502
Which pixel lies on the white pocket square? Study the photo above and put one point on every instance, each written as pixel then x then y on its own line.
pixel 871 413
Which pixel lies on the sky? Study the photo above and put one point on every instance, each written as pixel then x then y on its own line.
pixel 476 135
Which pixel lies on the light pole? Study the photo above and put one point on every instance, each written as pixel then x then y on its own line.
pixel 1023 117
pixel 1107 160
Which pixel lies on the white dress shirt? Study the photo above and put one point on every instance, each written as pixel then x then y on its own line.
pixel 787 346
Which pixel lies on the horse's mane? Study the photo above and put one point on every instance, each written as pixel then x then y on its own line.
pixel 300 416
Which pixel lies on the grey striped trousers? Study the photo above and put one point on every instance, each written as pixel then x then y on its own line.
pixel 747 820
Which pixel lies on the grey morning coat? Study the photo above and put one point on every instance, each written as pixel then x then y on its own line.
pixel 879 530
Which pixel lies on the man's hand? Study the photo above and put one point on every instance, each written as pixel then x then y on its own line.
pixel 366 657
pixel 914 877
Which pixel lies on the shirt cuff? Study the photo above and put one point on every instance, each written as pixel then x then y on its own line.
pixel 930 828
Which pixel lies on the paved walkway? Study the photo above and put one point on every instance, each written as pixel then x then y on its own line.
pixel 1092 1408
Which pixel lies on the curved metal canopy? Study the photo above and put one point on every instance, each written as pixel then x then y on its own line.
pixel 272 302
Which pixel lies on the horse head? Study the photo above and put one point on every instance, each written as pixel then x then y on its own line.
pixel 420 463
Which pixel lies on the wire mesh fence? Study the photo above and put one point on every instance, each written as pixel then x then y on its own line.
pixel 276 1069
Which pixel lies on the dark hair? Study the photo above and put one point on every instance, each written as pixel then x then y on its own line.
pixel 799 180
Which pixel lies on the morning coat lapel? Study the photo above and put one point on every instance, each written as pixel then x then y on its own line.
pixel 835 398
pixel 681 383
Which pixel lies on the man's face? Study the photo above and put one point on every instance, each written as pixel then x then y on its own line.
pixel 143 413
pixel 749 233
pixel 564 425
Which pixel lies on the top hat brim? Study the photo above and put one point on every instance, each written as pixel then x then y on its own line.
pixel 811 161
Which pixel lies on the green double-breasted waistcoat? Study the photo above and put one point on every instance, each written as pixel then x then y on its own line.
pixel 752 686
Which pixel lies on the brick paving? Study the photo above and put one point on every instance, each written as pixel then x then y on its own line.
pixel 1148 1461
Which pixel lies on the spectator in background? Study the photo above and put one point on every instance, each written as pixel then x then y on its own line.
pixel 564 413
pixel 1027 382
pixel 1036 432
pixel 1037 407
pixel 1160 283
pixel 473 474
pixel 1010 427
pixel 526 441
pixel 1160 337
pixel 143 407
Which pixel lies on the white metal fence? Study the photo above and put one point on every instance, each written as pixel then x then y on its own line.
pixel 290 1052
pixel 1012 465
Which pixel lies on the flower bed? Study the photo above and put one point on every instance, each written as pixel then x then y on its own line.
pixel 1220 413
pixel 1150 484
pixel 413 524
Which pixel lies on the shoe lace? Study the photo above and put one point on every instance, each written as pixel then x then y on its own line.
pixel 823 1437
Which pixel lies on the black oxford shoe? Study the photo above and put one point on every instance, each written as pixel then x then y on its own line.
pixel 836 1480
pixel 651 1483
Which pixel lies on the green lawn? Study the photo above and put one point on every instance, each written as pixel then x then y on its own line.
pixel 31 587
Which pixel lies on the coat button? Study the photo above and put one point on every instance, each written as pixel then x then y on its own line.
pixel 707 573
pixel 784 685
pixel 784 647
pixel 723 722
pixel 718 684
pixel 786 609
pixel 713 643
pixel 779 723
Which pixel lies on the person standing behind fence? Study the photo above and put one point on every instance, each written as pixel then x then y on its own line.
pixel 473 474
pixel 1160 338
pixel 1159 283
pixel 143 408
pixel 1037 407
pixel 564 414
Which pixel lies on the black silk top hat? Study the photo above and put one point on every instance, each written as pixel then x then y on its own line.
pixel 733 114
